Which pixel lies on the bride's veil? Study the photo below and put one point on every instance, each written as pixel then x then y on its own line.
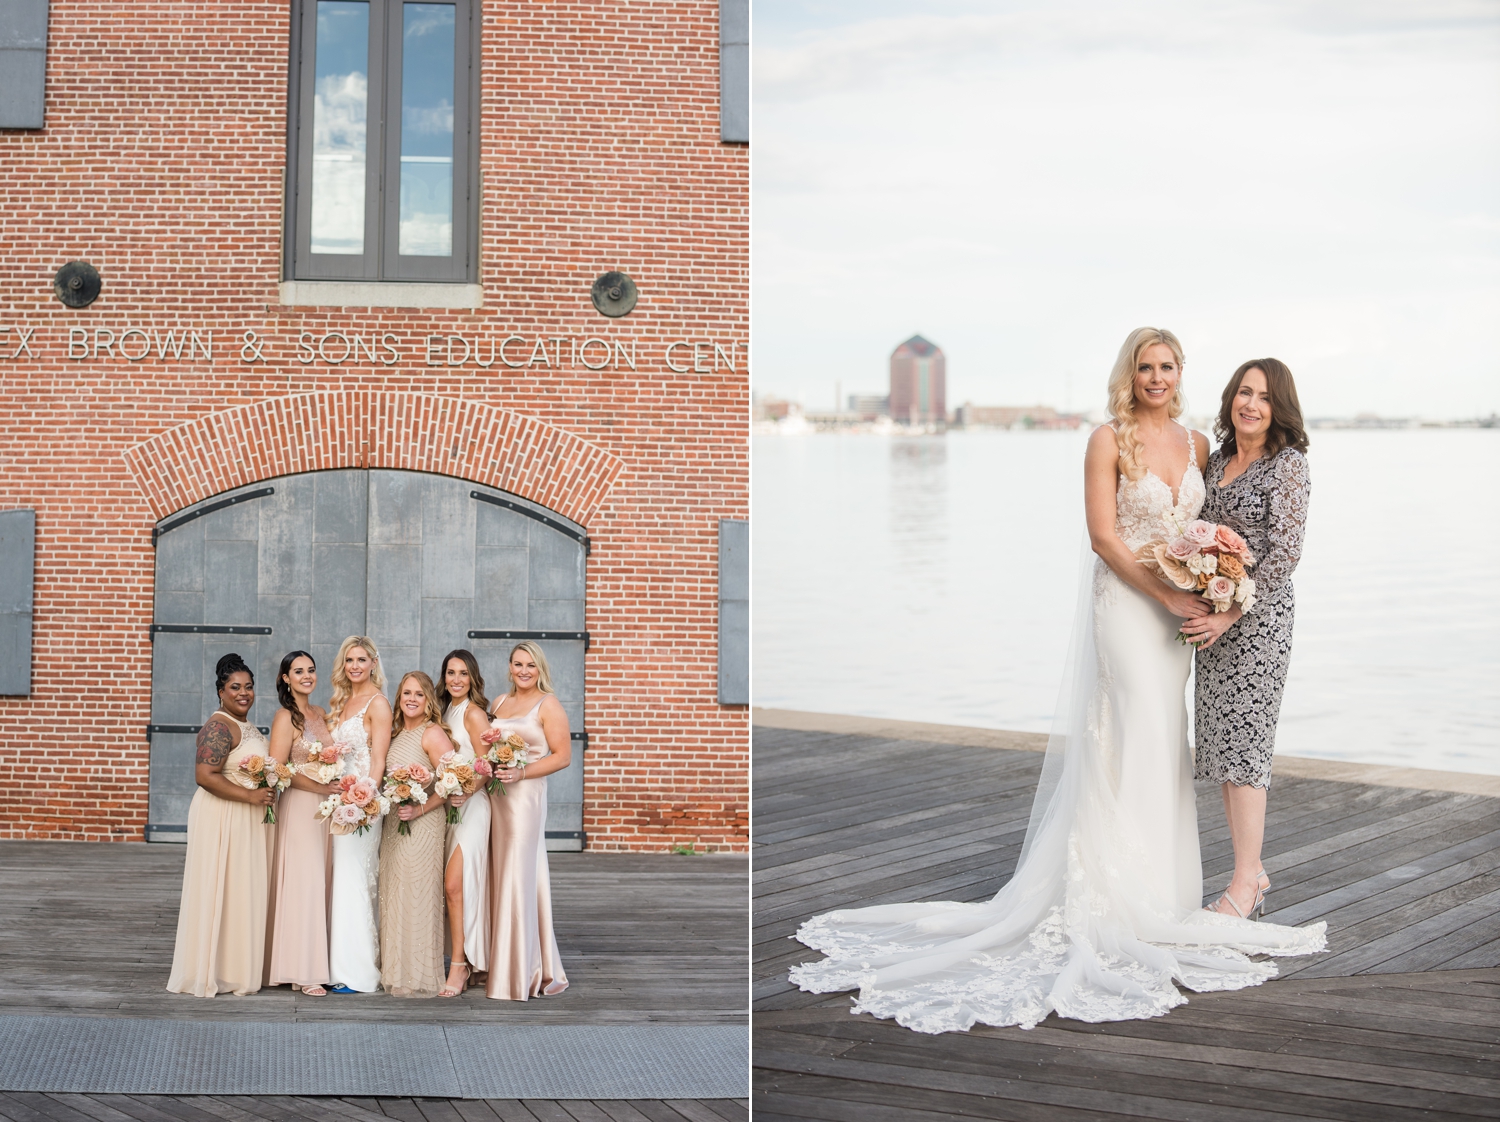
pixel 1067 744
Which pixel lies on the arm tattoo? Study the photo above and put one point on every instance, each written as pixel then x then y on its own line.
pixel 214 744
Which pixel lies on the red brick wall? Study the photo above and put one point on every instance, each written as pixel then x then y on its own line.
pixel 162 164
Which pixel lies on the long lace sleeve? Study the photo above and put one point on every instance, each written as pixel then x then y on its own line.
pixel 1289 490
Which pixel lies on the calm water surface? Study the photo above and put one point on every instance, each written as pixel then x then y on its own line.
pixel 933 579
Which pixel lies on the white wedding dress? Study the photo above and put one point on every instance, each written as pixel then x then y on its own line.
pixel 353 925
pixel 1102 915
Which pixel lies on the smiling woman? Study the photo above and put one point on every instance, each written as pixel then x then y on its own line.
pixel 221 921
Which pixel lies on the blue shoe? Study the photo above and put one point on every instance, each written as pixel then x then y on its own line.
pixel 341 989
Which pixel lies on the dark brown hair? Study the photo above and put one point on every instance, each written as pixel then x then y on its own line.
pixel 476 681
pixel 1287 429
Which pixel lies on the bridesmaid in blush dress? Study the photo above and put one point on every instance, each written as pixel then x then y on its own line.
pixel 302 867
pixel 466 879
pixel 524 960
pixel 411 864
pixel 221 922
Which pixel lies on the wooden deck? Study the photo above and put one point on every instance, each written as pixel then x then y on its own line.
pixel 1400 1020
pixel 274 1108
pixel 88 929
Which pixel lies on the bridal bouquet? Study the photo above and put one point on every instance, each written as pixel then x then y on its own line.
pixel 262 771
pixel 1203 557
pixel 506 750
pixel 324 763
pixel 456 778
pixel 355 807
pixel 407 786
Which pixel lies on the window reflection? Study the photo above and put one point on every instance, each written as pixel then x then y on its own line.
pixel 426 223
pixel 340 96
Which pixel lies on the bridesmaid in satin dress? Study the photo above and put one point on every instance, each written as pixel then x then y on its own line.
pixel 221 922
pixel 411 864
pixel 466 880
pixel 302 867
pixel 524 961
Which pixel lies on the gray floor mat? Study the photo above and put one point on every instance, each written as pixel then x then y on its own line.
pixel 111 1055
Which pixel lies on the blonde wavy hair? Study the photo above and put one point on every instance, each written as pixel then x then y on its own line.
pixel 434 713
pixel 544 672
pixel 1122 394
pixel 342 687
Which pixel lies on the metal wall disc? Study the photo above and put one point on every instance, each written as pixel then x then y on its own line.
pixel 614 294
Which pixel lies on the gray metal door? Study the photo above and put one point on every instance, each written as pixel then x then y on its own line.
pixel 420 563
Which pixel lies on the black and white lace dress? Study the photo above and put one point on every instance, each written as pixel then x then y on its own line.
pixel 1241 677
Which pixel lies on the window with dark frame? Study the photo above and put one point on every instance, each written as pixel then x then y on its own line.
pixel 381 180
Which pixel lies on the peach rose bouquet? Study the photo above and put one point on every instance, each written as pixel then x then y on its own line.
pixel 407 786
pixel 263 771
pixel 324 761
pixel 355 807
pixel 1203 557
pixel 506 750
pixel 455 777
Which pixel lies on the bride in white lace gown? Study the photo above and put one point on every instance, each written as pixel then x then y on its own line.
pixel 1102 916
pixel 358 715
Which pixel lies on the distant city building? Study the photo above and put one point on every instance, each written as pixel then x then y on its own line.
pixel 1015 416
pixel 868 406
pixel 918 382
pixel 771 408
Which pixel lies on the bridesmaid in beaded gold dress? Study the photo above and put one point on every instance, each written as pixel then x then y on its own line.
pixel 524 960
pixel 302 867
pixel 221 922
pixel 411 865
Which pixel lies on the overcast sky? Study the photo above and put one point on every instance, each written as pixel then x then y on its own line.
pixel 1024 183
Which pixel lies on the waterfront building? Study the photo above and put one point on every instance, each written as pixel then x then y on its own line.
pixel 918 383
pixel 869 406
pixel 1015 416
pixel 426 321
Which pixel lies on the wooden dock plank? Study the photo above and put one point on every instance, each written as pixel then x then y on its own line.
pixel 1407 879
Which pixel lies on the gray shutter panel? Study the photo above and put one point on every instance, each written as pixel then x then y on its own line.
pixel 17 574
pixel 23 63
pixel 734 612
pixel 734 71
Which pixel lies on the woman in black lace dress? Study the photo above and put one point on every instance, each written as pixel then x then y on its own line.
pixel 1257 484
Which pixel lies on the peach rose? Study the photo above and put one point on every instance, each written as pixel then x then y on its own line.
pixel 363 791
pixel 329 755
pixel 347 781
pixel 1230 542
pixel 419 774
pixel 1231 566
pixel 1200 533
pixel 1220 589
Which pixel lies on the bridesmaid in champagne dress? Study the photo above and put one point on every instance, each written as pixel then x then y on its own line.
pixel 302 867
pixel 466 879
pixel 221 922
pixel 411 865
pixel 524 960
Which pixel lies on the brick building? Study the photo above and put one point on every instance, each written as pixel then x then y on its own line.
pixel 918 383
pixel 349 370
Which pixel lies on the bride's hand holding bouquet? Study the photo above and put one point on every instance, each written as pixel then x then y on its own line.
pixel 1210 560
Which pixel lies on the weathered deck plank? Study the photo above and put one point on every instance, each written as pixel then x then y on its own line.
pixel 88 929
pixel 1408 879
